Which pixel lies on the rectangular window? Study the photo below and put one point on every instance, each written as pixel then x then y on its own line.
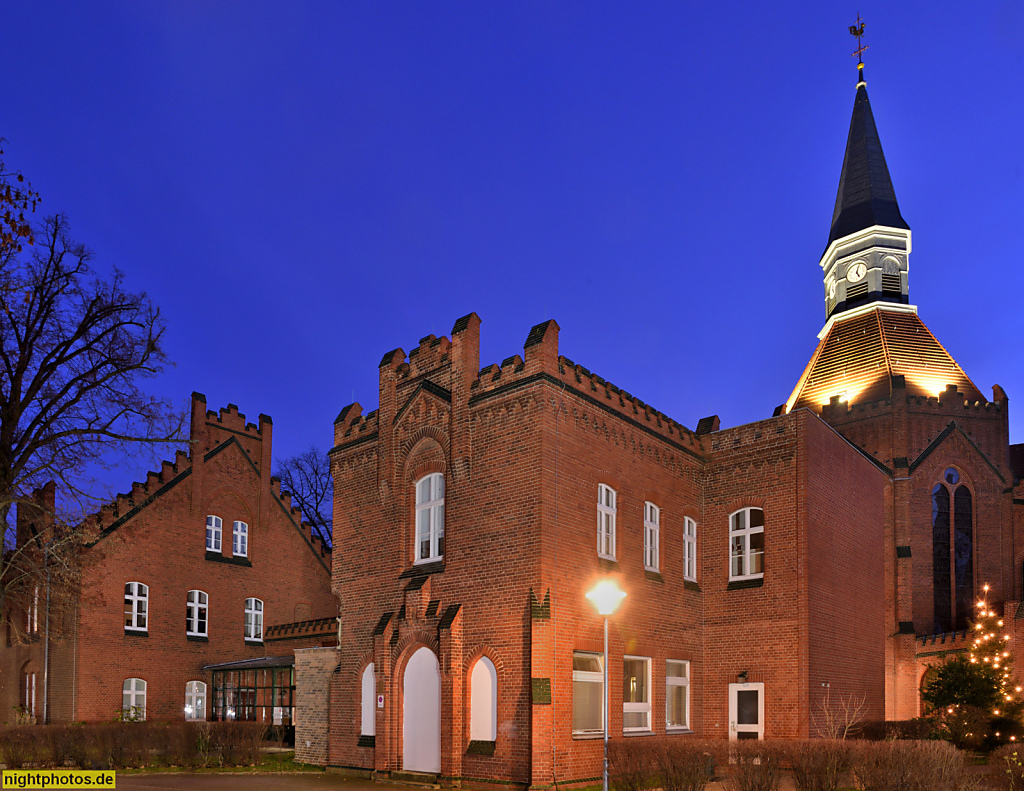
pixel 677 695
pixel 587 693
pixel 32 616
pixel 606 522
pixel 196 609
pixel 240 539
pixel 214 526
pixel 430 518
pixel 652 528
pixel 636 694
pixel 746 544
pixel 136 607
pixel 689 549
pixel 253 619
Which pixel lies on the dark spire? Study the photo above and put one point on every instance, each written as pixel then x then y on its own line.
pixel 866 196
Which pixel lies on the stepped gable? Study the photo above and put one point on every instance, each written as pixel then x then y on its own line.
pixel 858 357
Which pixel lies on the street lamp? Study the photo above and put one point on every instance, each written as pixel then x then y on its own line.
pixel 606 597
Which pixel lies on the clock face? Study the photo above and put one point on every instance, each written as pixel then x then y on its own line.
pixel 856 272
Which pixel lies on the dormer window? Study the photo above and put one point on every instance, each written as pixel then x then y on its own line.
pixel 430 518
pixel 214 528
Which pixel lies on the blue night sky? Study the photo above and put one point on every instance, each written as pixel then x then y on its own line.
pixel 302 186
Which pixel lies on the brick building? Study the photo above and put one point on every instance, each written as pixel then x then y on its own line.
pixel 188 584
pixel 832 549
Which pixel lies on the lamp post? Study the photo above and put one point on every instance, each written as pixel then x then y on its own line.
pixel 606 597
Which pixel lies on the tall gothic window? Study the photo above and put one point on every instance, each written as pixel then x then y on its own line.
pixel 952 553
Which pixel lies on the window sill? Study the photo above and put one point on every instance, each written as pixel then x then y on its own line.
pixel 137 632
pixel 232 560
pixel 653 576
pixel 630 734
pixel 423 570
pixel 607 564
pixel 197 638
pixel 253 642
pixel 477 747
pixel 691 585
pixel 678 730
pixel 587 736
pixel 742 584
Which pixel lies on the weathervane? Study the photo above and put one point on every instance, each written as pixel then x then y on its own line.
pixel 858 31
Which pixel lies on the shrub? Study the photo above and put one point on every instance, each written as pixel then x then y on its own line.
pixel 67 744
pixel 238 742
pixel 753 766
pixel 631 764
pixel 818 764
pixel 17 746
pixel 683 764
pixel 911 766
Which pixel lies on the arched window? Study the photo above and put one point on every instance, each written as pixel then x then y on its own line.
pixel 746 544
pixel 136 607
pixel 952 553
pixel 254 620
pixel 483 702
pixel 369 702
pixel 652 538
pixel 689 549
pixel 195 700
pixel 133 699
pixel 196 608
pixel 430 518
pixel 606 513
pixel 28 690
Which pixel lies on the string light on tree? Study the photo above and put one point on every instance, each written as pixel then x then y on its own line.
pixel 989 647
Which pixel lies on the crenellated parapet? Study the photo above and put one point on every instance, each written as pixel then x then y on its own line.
pixel 141 494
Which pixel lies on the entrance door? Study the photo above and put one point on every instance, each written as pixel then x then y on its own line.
pixel 421 713
pixel 746 711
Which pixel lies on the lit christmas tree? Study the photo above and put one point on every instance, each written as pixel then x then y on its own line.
pixel 990 651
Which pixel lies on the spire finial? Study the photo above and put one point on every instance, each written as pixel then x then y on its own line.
pixel 858 31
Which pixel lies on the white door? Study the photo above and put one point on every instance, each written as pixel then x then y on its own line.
pixel 746 711
pixel 421 709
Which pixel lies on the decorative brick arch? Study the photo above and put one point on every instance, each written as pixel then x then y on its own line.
pixel 426 436
pixel 223 492
pixel 407 646
pixel 746 502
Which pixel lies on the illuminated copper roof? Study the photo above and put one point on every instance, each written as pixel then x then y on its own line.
pixel 860 354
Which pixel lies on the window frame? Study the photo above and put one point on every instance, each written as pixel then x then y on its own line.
pixel 29 692
pixel 136 598
pixel 652 537
pixel 677 681
pixel 192 693
pixel 214 533
pixel 192 613
pixel 253 618
pixel 588 677
pixel 432 510
pixel 641 707
pixel 690 549
pixel 483 700
pixel 745 533
pixel 133 695
pixel 368 701
pixel 240 536
pixel 606 525
pixel 32 613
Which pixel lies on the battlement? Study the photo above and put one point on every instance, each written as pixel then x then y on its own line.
pixel 950 401
pixel 140 492
pixel 230 418
pixel 351 423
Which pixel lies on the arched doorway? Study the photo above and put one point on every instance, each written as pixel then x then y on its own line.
pixel 421 707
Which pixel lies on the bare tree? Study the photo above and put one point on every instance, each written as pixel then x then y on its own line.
pixel 16 198
pixel 838 717
pixel 74 348
pixel 307 477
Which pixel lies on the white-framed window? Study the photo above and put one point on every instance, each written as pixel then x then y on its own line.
pixel 746 544
pixel 214 528
pixel 29 689
pixel 677 695
pixel 240 539
pixel 652 530
pixel 32 615
pixel 368 698
pixel 197 607
pixel 636 694
pixel 195 700
pixel 605 521
pixel 133 699
pixel 689 549
pixel 136 607
pixel 430 518
pixel 587 693
pixel 483 701
pixel 253 619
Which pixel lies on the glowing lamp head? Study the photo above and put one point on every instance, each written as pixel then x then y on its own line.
pixel 606 596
